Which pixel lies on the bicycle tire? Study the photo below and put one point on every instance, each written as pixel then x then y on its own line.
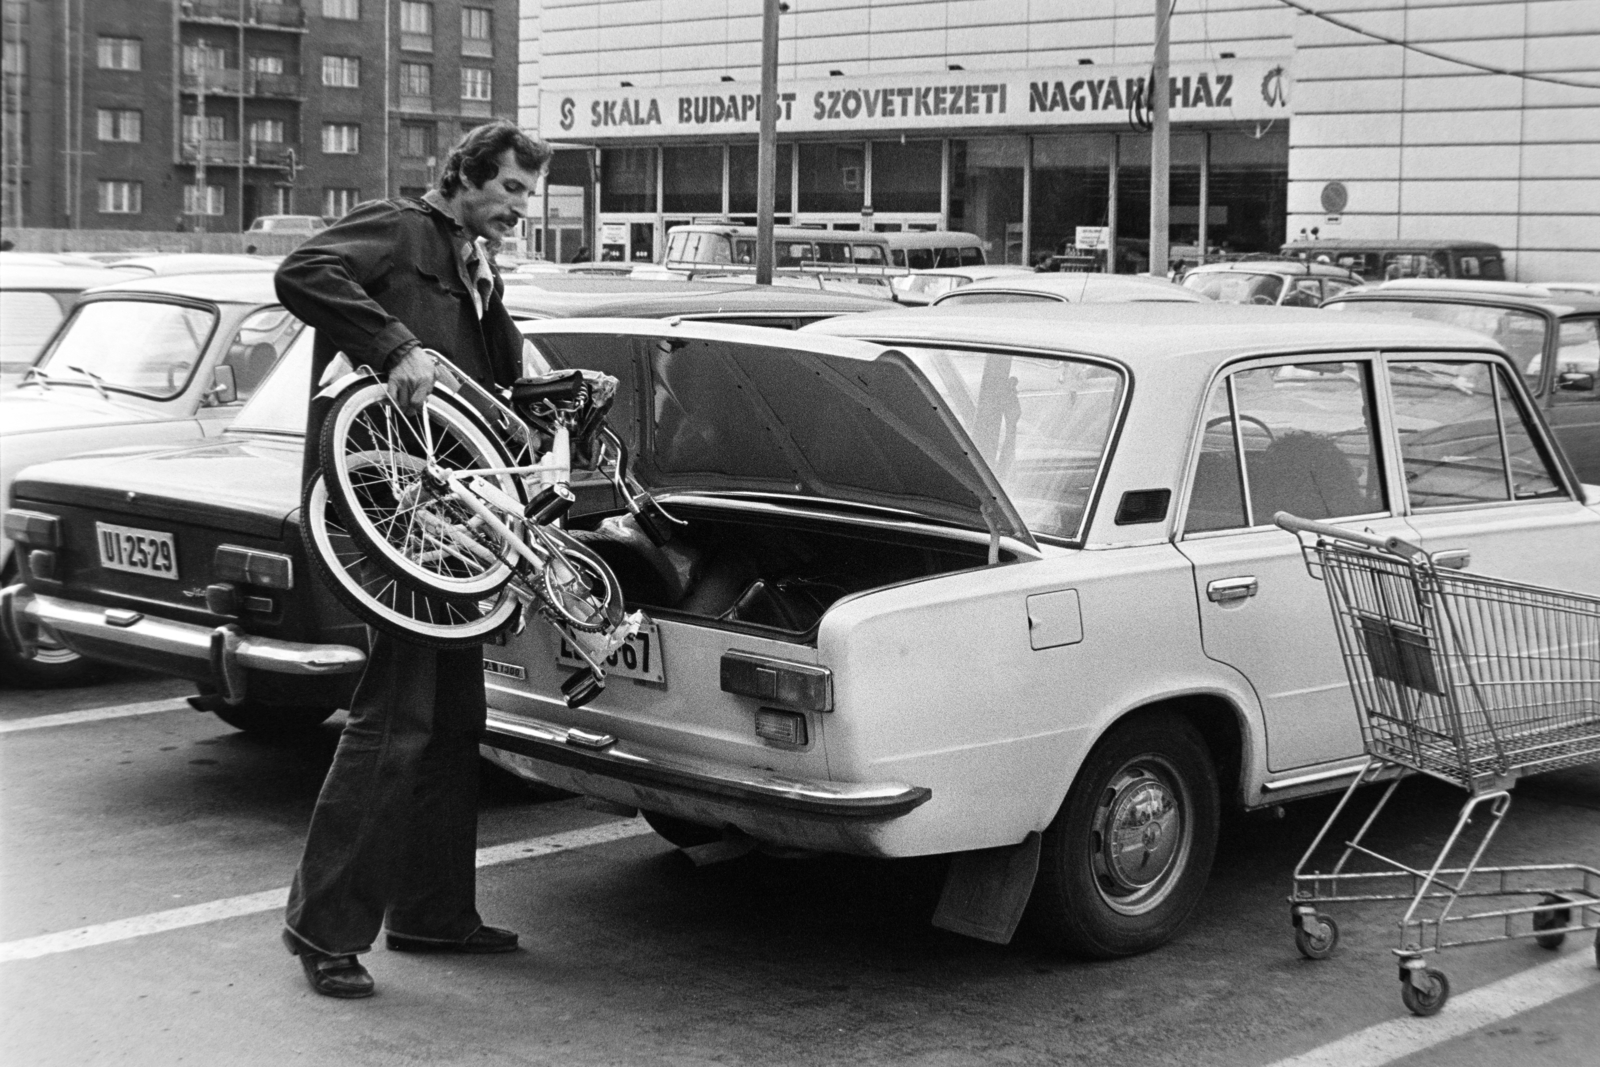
pixel 372 456
pixel 373 595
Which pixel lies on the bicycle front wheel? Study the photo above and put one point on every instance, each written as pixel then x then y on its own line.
pixel 381 602
pixel 386 472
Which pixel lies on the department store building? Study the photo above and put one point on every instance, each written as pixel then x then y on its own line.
pixel 1024 120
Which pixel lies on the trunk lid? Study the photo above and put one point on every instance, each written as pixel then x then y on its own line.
pixel 708 408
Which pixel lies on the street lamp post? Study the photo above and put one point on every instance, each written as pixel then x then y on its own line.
pixel 767 149
pixel 1160 141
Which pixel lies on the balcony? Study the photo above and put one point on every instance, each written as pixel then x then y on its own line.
pixel 412 102
pixel 231 82
pixel 258 13
pixel 416 42
pixel 481 47
pixel 271 154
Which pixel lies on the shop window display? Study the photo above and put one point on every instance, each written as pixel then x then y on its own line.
pixel 986 182
pixel 833 177
pixel 742 178
pixel 905 176
pixel 628 179
pixel 691 179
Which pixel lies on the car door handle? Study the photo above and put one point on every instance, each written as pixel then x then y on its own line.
pixel 1456 558
pixel 1224 590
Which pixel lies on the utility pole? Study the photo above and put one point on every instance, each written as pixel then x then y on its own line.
pixel 767 150
pixel 201 200
pixel 1160 141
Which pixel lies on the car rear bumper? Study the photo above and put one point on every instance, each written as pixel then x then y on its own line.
pixel 220 655
pixel 601 765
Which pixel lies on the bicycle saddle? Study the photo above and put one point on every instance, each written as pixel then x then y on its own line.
pixel 560 388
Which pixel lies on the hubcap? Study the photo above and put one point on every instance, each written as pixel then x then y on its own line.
pixel 1141 838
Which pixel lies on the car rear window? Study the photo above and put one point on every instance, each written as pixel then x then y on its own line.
pixel 1237 287
pixel 998 298
pixel 145 347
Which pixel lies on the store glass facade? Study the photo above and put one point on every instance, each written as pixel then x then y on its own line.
pixel 1070 187
pixel 907 176
pixel 691 179
pixel 743 176
pixel 987 193
pixel 833 177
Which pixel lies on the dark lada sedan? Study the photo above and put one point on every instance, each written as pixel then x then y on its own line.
pixel 1553 337
pixel 188 560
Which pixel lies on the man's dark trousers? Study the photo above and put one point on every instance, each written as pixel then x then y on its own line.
pixel 395 831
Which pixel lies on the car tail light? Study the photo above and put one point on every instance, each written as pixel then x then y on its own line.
pixel 799 685
pixel 34 528
pixel 233 563
pixel 787 727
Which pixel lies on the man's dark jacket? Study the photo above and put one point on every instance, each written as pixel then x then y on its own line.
pixel 386 277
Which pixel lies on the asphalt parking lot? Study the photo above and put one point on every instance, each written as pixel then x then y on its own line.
pixel 147 847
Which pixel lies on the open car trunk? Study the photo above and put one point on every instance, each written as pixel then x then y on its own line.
pixel 766 572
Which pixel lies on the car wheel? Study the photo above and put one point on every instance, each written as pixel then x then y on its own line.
pixel 681 832
pixel 267 720
pixel 1126 858
pixel 52 666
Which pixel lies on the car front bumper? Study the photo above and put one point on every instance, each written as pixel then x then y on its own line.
pixel 219 655
pixel 808 812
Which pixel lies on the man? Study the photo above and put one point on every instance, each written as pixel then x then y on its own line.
pixel 393 838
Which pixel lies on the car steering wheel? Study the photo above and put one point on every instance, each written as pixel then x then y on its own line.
pixel 1261 298
pixel 1220 419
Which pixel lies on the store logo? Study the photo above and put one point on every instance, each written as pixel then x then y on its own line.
pixel 568 109
pixel 1272 88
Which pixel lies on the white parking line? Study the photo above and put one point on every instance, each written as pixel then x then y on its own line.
pixel 69 718
pixel 1386 1042
pixel 30 948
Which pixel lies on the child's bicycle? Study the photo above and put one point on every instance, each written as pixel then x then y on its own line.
pixel 441 528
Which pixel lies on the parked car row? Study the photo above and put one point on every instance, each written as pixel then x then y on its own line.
pixel 997 582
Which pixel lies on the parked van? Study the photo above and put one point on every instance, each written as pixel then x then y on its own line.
pixel 935 249
pixel 702 246
pixel 1381 260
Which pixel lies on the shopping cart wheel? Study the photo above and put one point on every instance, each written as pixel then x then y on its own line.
pixel 1558 916
pixel 1316 936
pixel 1428 999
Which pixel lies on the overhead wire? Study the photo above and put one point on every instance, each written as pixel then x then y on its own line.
pixel 1552 79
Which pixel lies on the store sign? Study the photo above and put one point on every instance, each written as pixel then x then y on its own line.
pixel 1092 237
pixel 1252 88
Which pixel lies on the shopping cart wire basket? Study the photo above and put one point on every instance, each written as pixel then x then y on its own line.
pixel 1472 680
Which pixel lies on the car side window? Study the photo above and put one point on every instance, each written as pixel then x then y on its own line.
pixel 1577 362
pixel 1303 293
pixel 1297 438
pixel 1464 438
pixel 262 340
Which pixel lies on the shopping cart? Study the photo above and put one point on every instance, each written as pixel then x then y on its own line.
pixel 1472 680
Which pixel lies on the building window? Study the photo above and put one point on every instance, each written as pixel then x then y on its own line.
pixel 341 9
pixel 476 83
pixel 120 53
pixel 266 64
pixel 119 125
pixel 266 131
pixel 417 140
pixel 15 58
pixel 341 138
pixel 416 18
pixel 416 80
pixel 337 202
pixel 214 58
pixel 213 202
pixel 211 127
pixel 476 31
pixel 121 198
pixel 341 72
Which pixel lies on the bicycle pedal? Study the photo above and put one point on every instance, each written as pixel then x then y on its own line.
pixel 580 688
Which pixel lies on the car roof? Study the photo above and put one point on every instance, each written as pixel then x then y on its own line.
pixel 1154 335
pixel 689 299
pixel 235 287
pixel 1388 244
pixel 189 262
pixel 1465 291
pixel 1074 287
pixel 933 239
pixel 66 279
pixel 1275 265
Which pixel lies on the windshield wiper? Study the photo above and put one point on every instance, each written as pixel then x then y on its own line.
pixel 36 376
pixel 99 382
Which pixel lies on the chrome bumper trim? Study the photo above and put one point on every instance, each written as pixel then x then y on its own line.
pixel 829 800
pixel 24 612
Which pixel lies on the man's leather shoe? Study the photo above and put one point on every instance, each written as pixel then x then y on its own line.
pixel 483 940
pixel 332 976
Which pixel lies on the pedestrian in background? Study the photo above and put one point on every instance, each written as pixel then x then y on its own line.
pixel 393 839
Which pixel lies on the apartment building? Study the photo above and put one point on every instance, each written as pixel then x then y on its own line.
pixel 204 114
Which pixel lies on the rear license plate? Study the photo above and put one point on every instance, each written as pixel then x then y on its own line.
pixel 640 658
pixel 125 548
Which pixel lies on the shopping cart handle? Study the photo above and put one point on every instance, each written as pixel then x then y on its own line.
pixel 1395 545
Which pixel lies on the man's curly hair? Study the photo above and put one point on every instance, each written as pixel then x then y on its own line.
pixel 475 158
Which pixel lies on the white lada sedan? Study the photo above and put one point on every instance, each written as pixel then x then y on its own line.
pixel 1001 582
